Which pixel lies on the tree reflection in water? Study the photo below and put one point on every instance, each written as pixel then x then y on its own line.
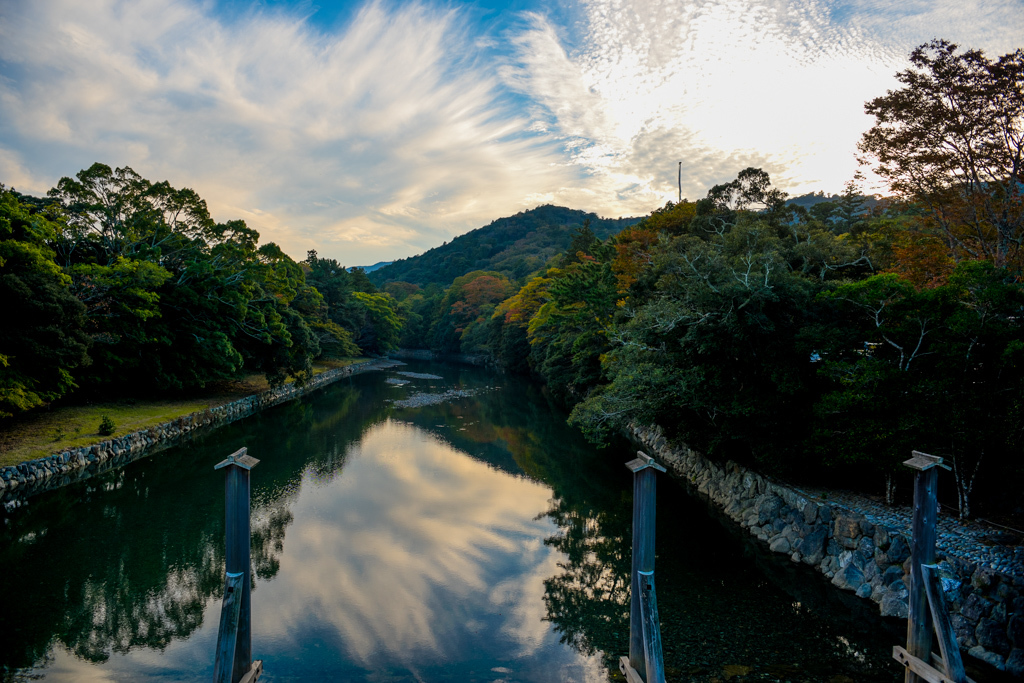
pixel 726 605
pixel 113 564
pixel 589 601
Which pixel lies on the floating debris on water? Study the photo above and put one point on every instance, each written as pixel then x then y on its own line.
pixel 396 382
pixel 418 375
pixel 418 400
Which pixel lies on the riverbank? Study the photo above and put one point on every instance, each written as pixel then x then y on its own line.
pixel 42 432
pixel 865 549
pixel 74 464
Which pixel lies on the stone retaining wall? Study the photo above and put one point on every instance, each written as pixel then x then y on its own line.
pixel 53 471
pixel 870 560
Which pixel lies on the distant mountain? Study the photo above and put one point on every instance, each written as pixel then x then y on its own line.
pixel 515 246
pixel 810 199
pixel 375 266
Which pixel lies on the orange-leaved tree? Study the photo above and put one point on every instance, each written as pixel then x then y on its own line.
pixel 951 140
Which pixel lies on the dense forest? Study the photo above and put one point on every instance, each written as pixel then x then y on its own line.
pixel 116 283
pixel 822 338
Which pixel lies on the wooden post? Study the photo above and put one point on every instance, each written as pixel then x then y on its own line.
pixel 644 470
pixel 922 552
pixel 254 673
pixel 227 636
pixel 927 605
pixel 236 502
pixel 653 657
pixel 952 664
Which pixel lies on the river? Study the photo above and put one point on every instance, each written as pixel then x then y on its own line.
pixel 475 539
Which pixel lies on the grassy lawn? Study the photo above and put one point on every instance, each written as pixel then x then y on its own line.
pixel 42 432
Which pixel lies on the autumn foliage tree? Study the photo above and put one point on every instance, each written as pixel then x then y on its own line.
pixel 466 308
pixel 951 140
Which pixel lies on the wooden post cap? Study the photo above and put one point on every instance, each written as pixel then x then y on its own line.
pixel 923 461
pixel 642 462
pixel 239 458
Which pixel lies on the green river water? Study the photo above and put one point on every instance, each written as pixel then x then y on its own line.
pixel 477 539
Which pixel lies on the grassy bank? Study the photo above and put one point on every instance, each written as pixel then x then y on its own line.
pixel 52 430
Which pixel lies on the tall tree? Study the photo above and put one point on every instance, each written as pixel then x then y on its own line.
pixel 174 299
pixel 41 338
pixel 951 139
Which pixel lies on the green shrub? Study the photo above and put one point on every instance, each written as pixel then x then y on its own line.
pixel 107 426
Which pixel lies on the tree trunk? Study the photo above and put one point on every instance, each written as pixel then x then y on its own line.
pixel 964 485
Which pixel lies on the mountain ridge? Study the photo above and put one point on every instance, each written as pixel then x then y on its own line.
pixel 515 246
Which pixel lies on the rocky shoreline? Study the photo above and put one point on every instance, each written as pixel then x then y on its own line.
pixel 866 549
pixel 17 482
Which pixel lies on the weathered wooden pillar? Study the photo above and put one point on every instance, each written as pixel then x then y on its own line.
pixel 644 471
pixel 230 610
pixel 653 656
pixel 236 502
pixel 922 552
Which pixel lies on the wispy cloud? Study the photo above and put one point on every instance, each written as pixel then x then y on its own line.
pixel 413 122
pixel 383 139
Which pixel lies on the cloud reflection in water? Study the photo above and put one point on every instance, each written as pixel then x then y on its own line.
pixel 417 556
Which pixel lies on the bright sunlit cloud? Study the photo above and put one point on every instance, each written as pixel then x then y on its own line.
pixel 385 132
pixel 720 85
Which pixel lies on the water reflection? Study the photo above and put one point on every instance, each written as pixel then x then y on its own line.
pixel 380 552
pixel 417 550
pixel 477 539
pixel 97 597
pixel 726 606
pixel 588 599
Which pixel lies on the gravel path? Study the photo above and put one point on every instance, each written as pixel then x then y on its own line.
pixel 998 548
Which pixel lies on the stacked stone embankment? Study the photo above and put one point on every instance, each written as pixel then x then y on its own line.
pixel 75 464
pixel 864 553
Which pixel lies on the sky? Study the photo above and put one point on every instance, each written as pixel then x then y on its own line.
pixel 372 131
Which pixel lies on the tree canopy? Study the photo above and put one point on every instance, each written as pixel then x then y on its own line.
pixel 517 247
pixel 951 140
pixel 115 282
pixel 42 341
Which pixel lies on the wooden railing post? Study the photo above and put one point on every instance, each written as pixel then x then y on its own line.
pixel 922 551
pixel 644 471
pixel 653 657
pixel 927 607
pixel 952 664
pixel 227 636
pixel 234 659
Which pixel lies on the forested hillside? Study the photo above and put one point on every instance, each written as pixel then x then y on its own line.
pixel 515 247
